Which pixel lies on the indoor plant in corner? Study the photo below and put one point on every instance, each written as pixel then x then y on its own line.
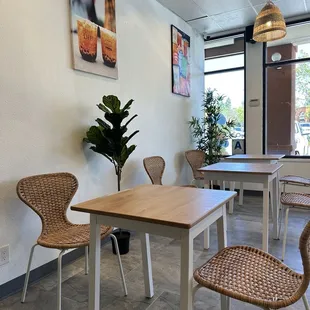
pixel 210 134
pixel 108 139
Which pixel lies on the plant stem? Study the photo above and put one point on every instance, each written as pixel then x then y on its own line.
pixel 119 177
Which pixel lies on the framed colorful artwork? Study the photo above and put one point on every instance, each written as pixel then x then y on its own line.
pixel 180 48
pixel 93 32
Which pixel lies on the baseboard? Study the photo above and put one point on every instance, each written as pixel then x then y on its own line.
pixel 16 285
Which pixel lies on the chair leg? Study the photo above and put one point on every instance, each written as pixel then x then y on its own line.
pixel 120 264
pixel 285 233
pixel 225 302
pixel 281 218
pixel 27 274
pixel 241 194
pixel 195 290
pixel 59 279
pixel 271 202
pixel 86 260
pixel 304 299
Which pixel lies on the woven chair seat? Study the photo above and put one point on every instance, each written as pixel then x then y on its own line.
pixel 71 236
pixel 296 200
pixel 250 275
pixel 295 180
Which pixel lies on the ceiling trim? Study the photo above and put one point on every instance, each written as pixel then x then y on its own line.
pixel 289 21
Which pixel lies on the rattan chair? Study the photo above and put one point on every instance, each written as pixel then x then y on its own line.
pixel 155 167
pixel 288 201
pixel 294 180
pixel 49 195
pixel 196 159
pixel 256 277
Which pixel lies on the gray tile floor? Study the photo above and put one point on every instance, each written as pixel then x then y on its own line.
pixel 244 227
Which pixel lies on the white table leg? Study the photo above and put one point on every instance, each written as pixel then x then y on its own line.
pixel 231 202
pixel 206 234
pixel 207 184
pixel 186 291
pixel 206 239
pixel 241 194
pixel 222 185
pixel 271 199
pixel 265 215
pixel 275 190
pixel 222 230
pixel 94 266
pixel 147 265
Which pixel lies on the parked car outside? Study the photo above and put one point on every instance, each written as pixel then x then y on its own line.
pixel 305 128
pixel 238 132
pixel 301 141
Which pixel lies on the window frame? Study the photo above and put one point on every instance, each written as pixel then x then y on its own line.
pixel 267 65
pixel 234 69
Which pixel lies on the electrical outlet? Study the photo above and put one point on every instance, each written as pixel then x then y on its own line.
pixel 4 255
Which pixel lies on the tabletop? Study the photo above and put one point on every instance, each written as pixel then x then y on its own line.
pixel 246 157
pixel 176 206
pixel 249 168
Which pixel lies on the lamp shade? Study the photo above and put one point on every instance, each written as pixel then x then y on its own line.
pixel 270 24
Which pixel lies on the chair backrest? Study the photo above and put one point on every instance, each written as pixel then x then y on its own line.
pixel 154 167
pixel 196 159
pixel 49 195
pixel 304 246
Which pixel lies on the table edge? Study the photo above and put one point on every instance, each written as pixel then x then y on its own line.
pixel 158 222
pixel 202 170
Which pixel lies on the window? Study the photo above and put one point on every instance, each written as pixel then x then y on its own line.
pixel 287 109
pixel 224 71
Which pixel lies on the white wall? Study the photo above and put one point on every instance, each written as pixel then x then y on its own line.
pixel 46 108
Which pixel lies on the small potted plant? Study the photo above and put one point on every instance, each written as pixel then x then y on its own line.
pixel 108 139
pixel 209 132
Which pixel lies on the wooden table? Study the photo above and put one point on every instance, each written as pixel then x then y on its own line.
pixel 176 212
pixel 252 173
pixel 254 159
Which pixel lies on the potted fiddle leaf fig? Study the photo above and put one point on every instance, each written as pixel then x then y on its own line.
pixel 108 139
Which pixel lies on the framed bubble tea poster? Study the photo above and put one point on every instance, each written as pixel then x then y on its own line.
pixel 94 41
pixel 180 47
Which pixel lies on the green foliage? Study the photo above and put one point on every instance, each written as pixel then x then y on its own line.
pixel 209 135
pixel 108 137
pixel 303 81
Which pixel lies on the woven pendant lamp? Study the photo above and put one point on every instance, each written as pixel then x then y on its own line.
pixel 270 24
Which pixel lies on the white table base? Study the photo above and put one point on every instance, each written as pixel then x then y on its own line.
pixel 185 235
pixel 270 183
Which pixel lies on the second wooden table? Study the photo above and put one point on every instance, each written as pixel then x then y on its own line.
pixel 266 174
pixel 251 159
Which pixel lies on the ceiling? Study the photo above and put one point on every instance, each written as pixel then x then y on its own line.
pixel 213 16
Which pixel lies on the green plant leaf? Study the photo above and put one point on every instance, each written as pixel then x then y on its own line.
pixel 126 153
pixel 128 105
pixel 108 139
pixel 94 135
pixel 130 120
pixel 112 102
pixel 103 108
pixel 103 123
pixel 127 139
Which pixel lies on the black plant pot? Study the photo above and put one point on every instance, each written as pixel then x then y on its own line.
pixel 123 240
pixel 216 187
